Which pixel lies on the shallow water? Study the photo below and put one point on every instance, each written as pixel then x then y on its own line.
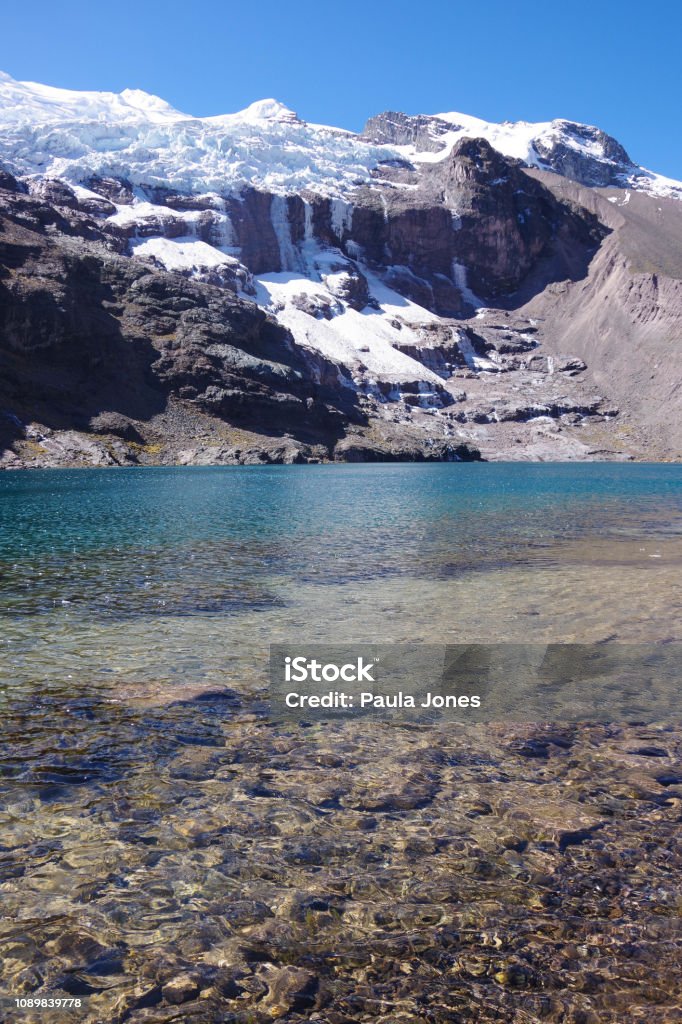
pixel 175 576
pixel 152 821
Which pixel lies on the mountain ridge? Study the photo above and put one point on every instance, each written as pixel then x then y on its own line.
pixel 421 274
pixel 534 143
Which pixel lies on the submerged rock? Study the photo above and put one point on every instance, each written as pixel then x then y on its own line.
pixel 290 989
pixel 181 989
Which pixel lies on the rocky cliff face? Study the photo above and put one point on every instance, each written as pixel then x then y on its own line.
pixel 93 341
pixel 414 292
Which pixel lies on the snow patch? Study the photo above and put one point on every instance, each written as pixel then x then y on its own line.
pixel 362 341
pixel 183 254
pixel 459 276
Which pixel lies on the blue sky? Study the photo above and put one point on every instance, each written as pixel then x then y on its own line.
pixel 614 65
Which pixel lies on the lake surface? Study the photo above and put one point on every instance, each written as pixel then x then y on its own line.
pixel 151 816
pixel 167 578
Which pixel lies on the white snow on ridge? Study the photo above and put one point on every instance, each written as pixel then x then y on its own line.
pixel 517 139
pixel 261 110
pixel 513 139
pixel 22 102
pixel 74 135
pixel 655 184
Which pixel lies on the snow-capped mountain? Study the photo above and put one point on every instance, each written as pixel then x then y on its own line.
pixel 386 256
pixel 73 135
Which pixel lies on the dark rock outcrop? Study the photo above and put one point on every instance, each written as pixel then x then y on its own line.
pixel 560 156
pixel 316 306
pixel 505 224
pixel 94 341
pixel 420 131
pixel 476 223
pixel 359 449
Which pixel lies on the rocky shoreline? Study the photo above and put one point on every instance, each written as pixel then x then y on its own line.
pixel 181 437
pixel 42 448
pixel 69 450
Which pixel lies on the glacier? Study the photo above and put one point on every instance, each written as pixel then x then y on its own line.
pixel 75 136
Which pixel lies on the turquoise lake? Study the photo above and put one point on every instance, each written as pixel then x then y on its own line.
pixel 156 579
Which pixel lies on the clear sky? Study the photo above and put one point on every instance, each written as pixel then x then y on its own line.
pixel 616 65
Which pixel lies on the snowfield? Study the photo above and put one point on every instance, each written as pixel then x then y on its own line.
pixel 186 253
pixel 361 340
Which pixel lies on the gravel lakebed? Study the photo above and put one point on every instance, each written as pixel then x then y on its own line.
pixel 196 862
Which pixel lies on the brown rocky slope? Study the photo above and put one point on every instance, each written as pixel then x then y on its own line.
pixel 550 323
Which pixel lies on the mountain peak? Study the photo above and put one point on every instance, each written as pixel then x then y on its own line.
pixel 269 110
pixel 58 132
pixel 262 110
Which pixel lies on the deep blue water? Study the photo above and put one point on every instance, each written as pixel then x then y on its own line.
pixel 52 510
pixel 210 540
